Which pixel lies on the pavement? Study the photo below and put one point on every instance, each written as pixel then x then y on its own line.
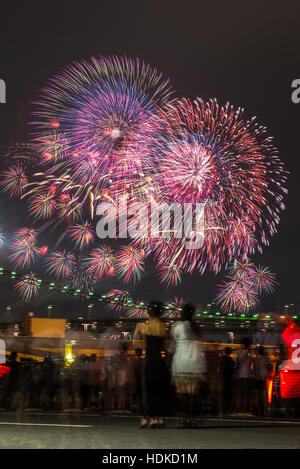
pixel 37 430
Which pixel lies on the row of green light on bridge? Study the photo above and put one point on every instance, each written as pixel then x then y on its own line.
pixel 129 302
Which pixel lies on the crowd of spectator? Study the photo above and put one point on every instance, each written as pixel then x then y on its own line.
pixel 230 383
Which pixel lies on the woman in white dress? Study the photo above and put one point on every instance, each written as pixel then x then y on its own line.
pixel 188 363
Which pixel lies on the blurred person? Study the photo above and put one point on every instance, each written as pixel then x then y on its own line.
pixel 126 378
pixel 49 383
pixel 83 381
pixel 64 387
pixel 93 381
pixel 261 374
pixel 213 368
pixel 11 386
pixel 157 377
pixel 121 376
pixel 102 379
pixel 139 381
pixel 112 387
pixel 244 375
pixel 23 396
pixel 36 373
pixel 227 373
pixel 109 341
pixel 188 363
pixel 74 377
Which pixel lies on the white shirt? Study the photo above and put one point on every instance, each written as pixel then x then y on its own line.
pixel 189 357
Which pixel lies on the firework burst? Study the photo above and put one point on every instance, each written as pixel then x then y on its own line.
pixel 211 156
pixel 109 128
pixel 137 310
pixel 97 125
pixel 60 264
pixel 23 248
pixel 101 262
pixel 170 274
pixel 118 300
pixel 14 181
pixel 245 283
pixel 81 280
pixel 42 206
pixel 264 280
pixel 24 235
pixel 81 235
pixel 236 295
pixel 28 287
pixel 173 308
pixel 130 264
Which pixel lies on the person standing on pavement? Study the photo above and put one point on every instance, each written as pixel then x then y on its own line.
pixel 157 378
pixel 244 375
pixel 261 373
pixel 188 363
pixel 227 372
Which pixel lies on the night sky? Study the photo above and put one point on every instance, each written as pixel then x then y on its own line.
pixel 243 52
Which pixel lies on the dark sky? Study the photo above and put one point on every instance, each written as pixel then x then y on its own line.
pixel 243 52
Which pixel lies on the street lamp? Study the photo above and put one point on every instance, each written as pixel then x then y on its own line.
pixel 90 311
pixel 50 311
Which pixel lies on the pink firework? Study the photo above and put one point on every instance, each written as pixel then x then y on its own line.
pixel 25 235
pixel 264 280
pixel 81 280
pixel 107 128
pixel 28 287
pixel 118 300
pixel 53 145
pixel 246 282
pixel 69 208
pixel 137 310
pixel 14 181
pixel 170 274
pixel 42 206
pixel 60 264
pixel 173 308
pixel 97 126
pixel 242 271
pixel 81 235
pixel 237 295
pixel 210 155
pixel 101 262
pixel 24 254
pixel 130 264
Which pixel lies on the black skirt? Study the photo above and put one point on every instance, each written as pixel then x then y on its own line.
pixel 157 379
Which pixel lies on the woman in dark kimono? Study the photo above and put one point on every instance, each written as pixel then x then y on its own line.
pixel 157 376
